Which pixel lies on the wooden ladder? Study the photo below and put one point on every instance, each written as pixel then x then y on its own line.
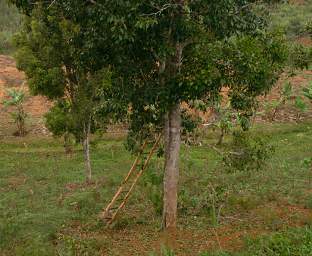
pixel 123 193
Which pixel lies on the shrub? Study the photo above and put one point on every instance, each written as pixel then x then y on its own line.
pixel 247 152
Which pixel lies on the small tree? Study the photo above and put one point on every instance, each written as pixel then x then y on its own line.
pixel 16 100
pixel 189 50
pixel 60 65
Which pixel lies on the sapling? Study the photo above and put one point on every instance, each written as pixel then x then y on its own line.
pixel 307 92
pixel 16 99
pixel 272 107
pixel 301 106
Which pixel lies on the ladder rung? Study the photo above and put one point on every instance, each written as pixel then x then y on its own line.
pixel 113 208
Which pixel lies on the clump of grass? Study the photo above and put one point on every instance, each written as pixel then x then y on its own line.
pixel 292 242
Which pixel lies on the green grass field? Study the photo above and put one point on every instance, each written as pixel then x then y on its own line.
pixel 47 209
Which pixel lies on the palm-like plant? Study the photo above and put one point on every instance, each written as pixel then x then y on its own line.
pixel 16 99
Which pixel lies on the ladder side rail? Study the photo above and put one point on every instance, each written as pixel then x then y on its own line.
pixel 136 179
pixel 120 189
pixel 135 163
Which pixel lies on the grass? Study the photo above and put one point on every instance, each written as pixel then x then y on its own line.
pixel 9 25
pixel 47 209
pixel 291 18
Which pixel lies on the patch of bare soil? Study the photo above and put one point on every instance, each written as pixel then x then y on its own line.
pixel 305 40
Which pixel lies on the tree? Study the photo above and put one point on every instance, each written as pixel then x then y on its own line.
pixel 51 52
pixel 163 53
pixel 188 50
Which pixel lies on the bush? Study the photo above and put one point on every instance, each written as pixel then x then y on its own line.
pixel 247 152
pixel 152 181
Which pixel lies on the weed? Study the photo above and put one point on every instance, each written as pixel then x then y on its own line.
pixel 71 246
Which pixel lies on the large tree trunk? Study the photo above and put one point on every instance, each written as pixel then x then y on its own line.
pixel 172 136
pixel 171 177
pixel 86 150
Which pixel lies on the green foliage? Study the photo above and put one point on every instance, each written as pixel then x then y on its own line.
pixel 293 242
pixel 300 57
pixel 51 51
pixel 153 185
pixel 58 119
pixel 271 107
pixel 70 245
pixel 248 153
pixel 222 44
pixel 16 99
pixel 9 25
pixel 300 104
pixel 307 92
pixel 189 122
pixel 309 27
pixel 308 203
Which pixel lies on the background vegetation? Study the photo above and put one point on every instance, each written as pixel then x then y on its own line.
pixel 292 18
pixel 9 24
